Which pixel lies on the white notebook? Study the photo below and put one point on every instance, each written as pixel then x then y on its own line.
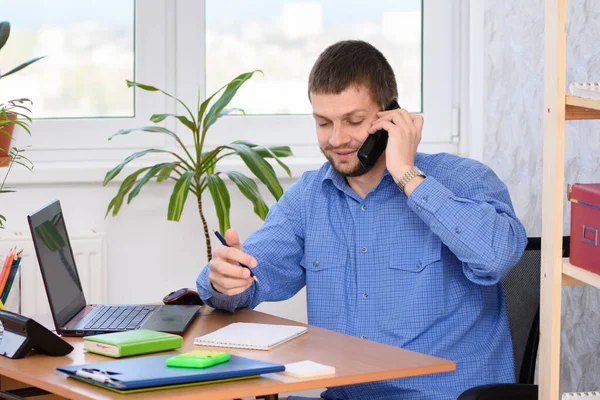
pixel 244 335
pixel 581 395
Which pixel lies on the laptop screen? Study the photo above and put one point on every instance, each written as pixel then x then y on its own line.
pixel 57 264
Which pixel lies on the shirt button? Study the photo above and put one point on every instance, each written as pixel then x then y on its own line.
pixel 424 199
pixel 418 208
pixel 457 230
pixel 316 264
pixel 363 207
pixel 419 264
pixel 363 337
pixel 363 250
pixel 365 295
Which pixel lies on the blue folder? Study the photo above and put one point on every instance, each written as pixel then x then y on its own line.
pixel 132 374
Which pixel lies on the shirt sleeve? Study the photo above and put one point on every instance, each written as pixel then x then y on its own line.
pixel 475 220
pixel 278 247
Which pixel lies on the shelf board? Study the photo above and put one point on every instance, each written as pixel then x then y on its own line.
pixel 580 108
pixel 580 274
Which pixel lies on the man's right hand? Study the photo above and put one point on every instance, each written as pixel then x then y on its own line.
pixel 225 274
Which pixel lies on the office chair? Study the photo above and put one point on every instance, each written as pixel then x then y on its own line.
pixel 522 292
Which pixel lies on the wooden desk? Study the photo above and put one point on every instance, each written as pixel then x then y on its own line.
pixel 355 360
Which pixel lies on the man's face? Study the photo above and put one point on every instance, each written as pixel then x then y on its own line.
pixel 342 123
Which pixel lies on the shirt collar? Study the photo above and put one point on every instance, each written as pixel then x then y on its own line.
pixel 340 182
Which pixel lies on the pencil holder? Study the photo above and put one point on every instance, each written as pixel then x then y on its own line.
pixel 13 296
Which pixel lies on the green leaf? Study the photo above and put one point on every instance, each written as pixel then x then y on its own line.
pixel 166 171
pixel 232 87
pixel 155 129
pixel 2 221
pixel 179 196
pixel 155 169
pixel 6 191
pixel 155 89
pixel 143 87
pixel 279 151
pixel 126 185
pixel 20 67
pixel 116 170
pixel 220 196
pixel 266 152
pixel 4 33
pixel 249 188
pixel 259 167
pixel 156 118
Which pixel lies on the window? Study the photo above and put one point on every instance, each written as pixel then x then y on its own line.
pixel 79 91
pixel 284 38
pixel 90 48
pixel 186 46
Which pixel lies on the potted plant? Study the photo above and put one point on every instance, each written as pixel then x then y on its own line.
pixel 10 111
pixel 195 171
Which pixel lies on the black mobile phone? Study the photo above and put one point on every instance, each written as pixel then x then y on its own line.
pixel 373 147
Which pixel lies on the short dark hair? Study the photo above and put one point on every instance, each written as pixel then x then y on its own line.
pixel 353 62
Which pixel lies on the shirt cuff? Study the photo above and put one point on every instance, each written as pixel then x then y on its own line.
pixel 428 197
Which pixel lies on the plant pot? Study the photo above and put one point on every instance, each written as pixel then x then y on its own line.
pixel 6 132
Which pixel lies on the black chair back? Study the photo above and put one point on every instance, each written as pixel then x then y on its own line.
pixel 522 291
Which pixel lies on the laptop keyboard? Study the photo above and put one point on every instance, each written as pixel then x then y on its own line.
pixel 117 317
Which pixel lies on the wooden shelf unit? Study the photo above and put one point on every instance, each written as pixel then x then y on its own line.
pixel 556 271
pixel 580 108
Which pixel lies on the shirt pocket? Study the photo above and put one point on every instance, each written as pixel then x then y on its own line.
pixel 327 272
pixel 418 258
pixel 417 298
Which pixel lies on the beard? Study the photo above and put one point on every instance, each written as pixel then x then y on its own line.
pixel 347 169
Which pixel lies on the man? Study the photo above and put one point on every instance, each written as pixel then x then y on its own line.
pixel 409 253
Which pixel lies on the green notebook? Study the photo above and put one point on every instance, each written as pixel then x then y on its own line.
pixel 129 343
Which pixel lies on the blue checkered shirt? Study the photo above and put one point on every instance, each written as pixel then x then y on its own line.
pixel 421 273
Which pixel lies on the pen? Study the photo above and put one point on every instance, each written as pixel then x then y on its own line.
pixel 224 243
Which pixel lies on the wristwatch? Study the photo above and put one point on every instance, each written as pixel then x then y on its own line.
pixel 413 172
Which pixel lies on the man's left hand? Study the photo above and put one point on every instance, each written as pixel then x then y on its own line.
pixel 404 135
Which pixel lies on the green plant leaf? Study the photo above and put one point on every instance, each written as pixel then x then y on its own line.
pixel 4 33
pixel 20 67
pixel 179 196
pixel 156 118
pixel 249 188
pixel 116 170
pixel 155 89
pixel 126 185
pixel 6 191
pixel 266 152
pixel 155 129
pixel 155 169
pixel 259 167
pixel 144 87
pixel 164 174
pixel 220 196
pixel 232 87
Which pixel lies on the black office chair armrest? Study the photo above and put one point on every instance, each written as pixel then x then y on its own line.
pixel 501 391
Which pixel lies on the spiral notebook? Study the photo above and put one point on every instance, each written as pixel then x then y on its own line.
pixel 245 335
pixel 581 395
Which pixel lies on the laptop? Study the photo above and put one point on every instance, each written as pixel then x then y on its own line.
pixel 70 311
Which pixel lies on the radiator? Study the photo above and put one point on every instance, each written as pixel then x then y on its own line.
pixel 89 250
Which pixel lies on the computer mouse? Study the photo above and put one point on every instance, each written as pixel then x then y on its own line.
pixel 184 296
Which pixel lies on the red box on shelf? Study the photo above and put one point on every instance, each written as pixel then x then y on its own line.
pixel 585 223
